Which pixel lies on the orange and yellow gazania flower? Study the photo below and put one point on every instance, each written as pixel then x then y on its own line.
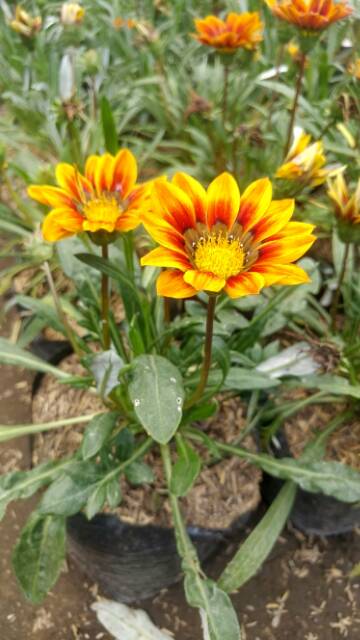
pixel 305 162
pixel 106 198
pixel 310 15
pixel 347 207
pixel 217 240
pixel 238 30
pixel 24 24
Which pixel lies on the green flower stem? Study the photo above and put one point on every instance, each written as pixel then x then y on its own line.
pixel 296 102
pixel 207 353
pixel 129 252
pixel 16 431
pixel 336 298
pixel 69 332
pixel 105 302
pixel 185 547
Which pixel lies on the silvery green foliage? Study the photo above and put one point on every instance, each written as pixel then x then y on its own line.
pixel 124 623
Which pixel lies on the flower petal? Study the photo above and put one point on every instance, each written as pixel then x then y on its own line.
pixel 285 250
pixel 245 284
pixel 223 200
pixel 162 257
pixel 163 233
pixel 255 202
pixel 277 215
pixel 170 284
pixel 281 274
pixel 202 281
pixel 128 221
pixel 124 173
pixel 173 205
pixel 196 193
pixel 61 223
pixel 103 174
pixel 51 196
pixel 70 179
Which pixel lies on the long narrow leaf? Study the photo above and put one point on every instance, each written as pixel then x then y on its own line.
pixel 258 545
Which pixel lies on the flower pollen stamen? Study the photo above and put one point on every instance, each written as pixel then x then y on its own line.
pixel 219 254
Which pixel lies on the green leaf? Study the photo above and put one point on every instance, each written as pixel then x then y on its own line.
pixel 39 555
pixel 13 355
pixel 23 484
pixel 333 384
pixel 248 380
pixel 217 613
pixel 257 546
pixel 157 394
pixel 69 493
pixel 113 492
pixel 109 127
pixel 331 478
pixel 97 433
pixel 105 367
pixel 186 469
pixel 201 412
pixel 139 473
pixel 96 501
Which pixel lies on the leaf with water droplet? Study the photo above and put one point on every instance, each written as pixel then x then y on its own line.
pixel 157 404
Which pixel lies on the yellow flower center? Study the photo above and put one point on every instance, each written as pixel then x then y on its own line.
pixel 101 213
pixel 219 254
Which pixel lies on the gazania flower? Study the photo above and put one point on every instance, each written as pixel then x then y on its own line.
pixel 310 15
pixel 305 162
pixel 239 30
pixel 105 199
pixel 24 24
pixel 217 241
pixel 72 13
pixel 347 207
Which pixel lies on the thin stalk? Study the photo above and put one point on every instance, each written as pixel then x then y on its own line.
pixel 105 302
pixel 185 547
pixel 225 93
pixel 129 252
pixel 16 431
pixel 207 353
pixel 296 101
pixel 336 298
pixel 69 332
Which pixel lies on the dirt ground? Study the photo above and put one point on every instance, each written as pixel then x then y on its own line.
pixel 303 591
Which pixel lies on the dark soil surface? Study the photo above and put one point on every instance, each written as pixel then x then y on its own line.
pixel 303 591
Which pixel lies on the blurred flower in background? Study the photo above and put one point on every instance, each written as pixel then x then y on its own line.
pixel 237 31
pixel 305 162
pixel 120 23
pixel 72 13
pixel 347 207
pixel 24 24
pixel 310 15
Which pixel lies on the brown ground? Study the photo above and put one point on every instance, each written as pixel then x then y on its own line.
pixel 302 593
